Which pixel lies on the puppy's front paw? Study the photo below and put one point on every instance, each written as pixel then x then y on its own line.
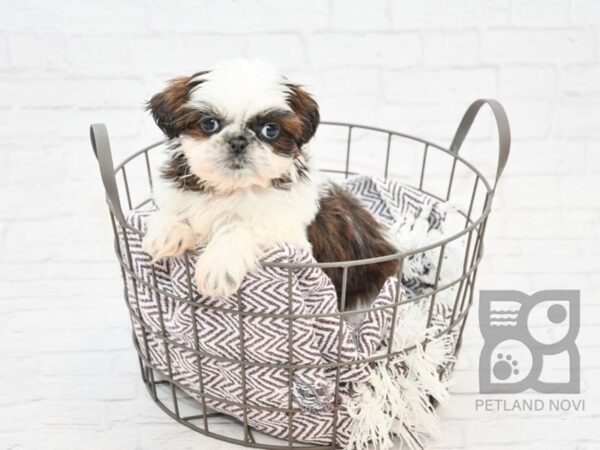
pixel 220 273
pixel 170 237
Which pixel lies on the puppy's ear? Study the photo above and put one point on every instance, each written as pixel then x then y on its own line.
pixel 307 109
pixel 166 107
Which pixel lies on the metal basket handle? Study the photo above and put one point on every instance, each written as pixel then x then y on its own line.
pixel 503 131
pixel 101 146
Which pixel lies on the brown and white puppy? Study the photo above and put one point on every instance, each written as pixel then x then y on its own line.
pixel 238 181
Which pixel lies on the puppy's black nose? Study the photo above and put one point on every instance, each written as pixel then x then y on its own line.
pixel 238 144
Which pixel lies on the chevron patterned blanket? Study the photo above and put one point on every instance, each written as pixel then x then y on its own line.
pixel 268 341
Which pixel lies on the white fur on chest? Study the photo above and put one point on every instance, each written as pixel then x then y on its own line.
pixel 270 215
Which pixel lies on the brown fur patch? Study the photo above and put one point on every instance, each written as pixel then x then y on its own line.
pixel 307 110
pixel 167 106
pixel 344 230
pixel 285 182
pixel 177 170
pixel 286 144
pixel 173 118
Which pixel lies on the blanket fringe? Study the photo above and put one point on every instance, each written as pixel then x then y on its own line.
pixel 395 406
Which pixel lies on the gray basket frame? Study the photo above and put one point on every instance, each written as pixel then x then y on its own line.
pixel 154 378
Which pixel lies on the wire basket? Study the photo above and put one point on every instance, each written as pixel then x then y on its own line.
pixel 476 189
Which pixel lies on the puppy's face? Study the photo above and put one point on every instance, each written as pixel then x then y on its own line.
pixel 239 125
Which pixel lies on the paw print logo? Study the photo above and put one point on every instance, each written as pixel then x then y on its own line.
pixel 505 367
pixel 523 332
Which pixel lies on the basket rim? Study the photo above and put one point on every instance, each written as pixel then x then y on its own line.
pixel 471 224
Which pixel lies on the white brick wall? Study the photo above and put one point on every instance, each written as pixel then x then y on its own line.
pixel 68 372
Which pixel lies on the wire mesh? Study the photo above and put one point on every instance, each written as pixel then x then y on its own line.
pixel 160 381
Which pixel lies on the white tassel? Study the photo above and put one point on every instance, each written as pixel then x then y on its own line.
pixel 394 404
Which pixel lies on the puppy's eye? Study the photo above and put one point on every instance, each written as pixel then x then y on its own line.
pixel 270 131
pixel 209 125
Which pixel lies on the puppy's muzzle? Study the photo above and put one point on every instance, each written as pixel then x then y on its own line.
pixel 238 144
